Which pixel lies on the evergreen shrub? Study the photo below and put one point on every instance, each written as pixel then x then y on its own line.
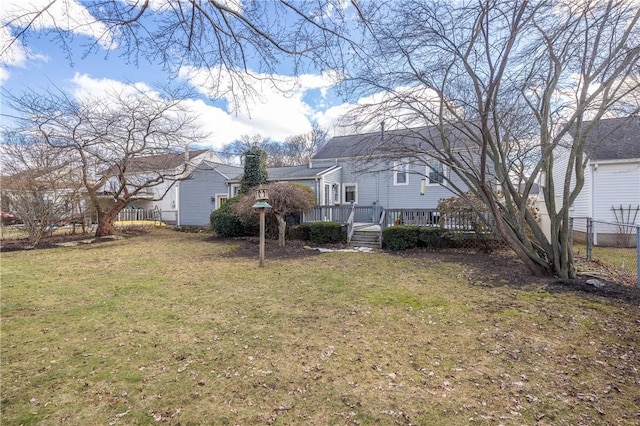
pixel 324 232
pixel 400 237
pixel 226 223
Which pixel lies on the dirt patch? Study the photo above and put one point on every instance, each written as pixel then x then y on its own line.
pixel 66 240
pixel 293 249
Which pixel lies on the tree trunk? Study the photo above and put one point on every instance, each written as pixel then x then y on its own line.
pixel 535 268
pixel 105 226
pixel 106 218
pixel 282 229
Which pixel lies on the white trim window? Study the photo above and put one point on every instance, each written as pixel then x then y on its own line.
pixel 350 193
pixel 220 200
pixel 437 173
pixel 400 173
pixel 235 189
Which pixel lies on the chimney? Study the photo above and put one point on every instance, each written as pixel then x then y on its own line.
pixel 382 130
pixel 186 154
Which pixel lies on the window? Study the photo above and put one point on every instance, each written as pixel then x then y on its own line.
pixel 436 173
pixel 400 175
pixel 221 199
pixel 350 193
pixel 235 190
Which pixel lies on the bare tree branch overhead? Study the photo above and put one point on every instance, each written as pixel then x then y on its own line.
pixel 228 38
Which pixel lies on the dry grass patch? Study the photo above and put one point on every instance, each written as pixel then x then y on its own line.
pixel 168 328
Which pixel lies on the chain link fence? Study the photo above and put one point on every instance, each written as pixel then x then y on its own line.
pixel 614 245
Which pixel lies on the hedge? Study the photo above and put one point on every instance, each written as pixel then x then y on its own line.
pixel 400 237
pixel 323 232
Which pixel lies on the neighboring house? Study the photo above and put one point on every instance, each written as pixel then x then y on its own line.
pixel 57 190
pixel 182 198
pixel 611 191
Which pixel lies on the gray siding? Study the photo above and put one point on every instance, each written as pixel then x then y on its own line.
pixel 333 180
pixel 378 187
pixel 196 194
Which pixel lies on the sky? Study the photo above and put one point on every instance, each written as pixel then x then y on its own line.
pixel 42 63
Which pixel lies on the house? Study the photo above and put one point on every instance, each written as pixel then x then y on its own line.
pixel 205 189
pixel 380 178
pixel 195 183
pixel 53 193
pixel 392 169
pixel 611 191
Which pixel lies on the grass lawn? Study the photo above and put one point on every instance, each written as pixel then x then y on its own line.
pixel 171 328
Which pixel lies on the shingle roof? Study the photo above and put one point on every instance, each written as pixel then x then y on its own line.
pixel 295 172
pixel 614 139
pixel 226 170
pixel 158 162
pixel 393 142
pixel 289 173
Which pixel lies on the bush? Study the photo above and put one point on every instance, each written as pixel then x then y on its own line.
pixel 225 223
pixel 324 232
pixel 401 237
pixel 429 237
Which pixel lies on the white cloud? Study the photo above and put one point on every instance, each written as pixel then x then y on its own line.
pixel 13 51
pixel 270 120
pixel 4 75
pixel 277 108
pixel 65 15
pixel 85 86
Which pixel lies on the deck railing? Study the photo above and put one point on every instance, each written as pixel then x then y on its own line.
pixel 341 214
pixel 137 214
pixel 463 221
pixel 420 217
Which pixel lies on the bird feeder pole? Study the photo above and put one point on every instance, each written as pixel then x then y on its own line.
pixel 261 204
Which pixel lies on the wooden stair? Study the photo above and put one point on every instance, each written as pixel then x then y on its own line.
pixel 365 237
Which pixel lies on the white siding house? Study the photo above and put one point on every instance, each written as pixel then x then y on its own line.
pixel 611 191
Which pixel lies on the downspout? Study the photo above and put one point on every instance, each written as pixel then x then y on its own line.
pixel 592 180
pixel 177 203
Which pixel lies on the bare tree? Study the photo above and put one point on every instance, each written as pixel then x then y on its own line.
pixel 125 143
pixel 502 86
pixel 285 198
pixel 229 39
pixel 295 150
pixel 302 147
pixel 39 184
